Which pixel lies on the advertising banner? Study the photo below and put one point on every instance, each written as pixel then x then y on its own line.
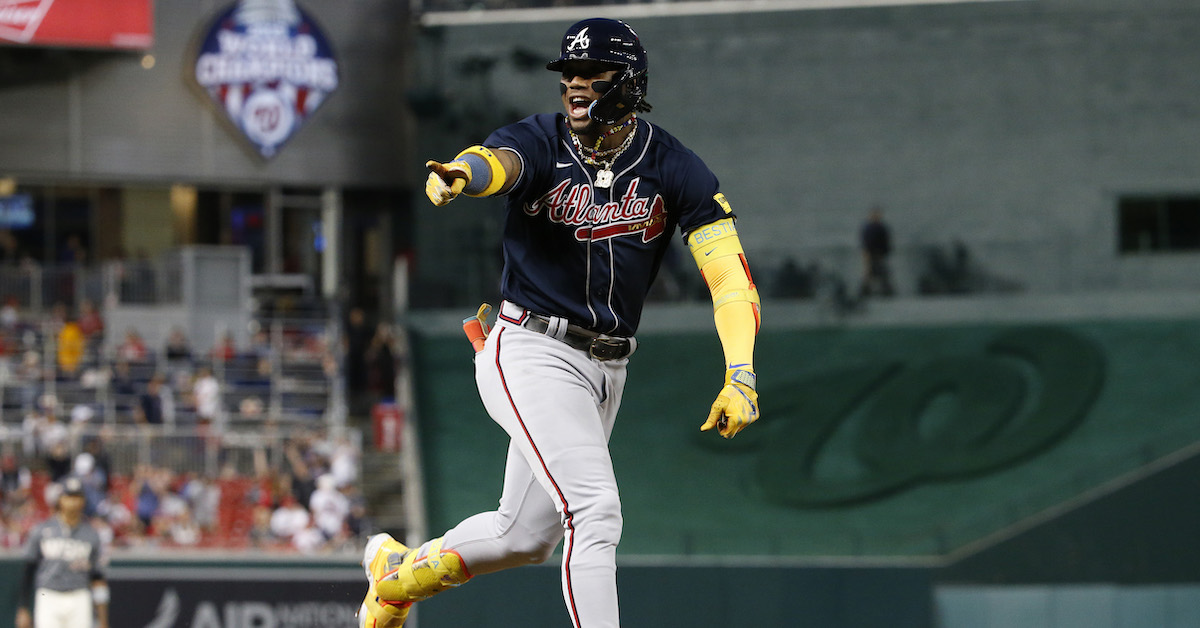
pixel 121 24
pixel 267 66
pixel 236 598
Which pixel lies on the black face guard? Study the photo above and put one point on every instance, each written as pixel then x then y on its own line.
pixel 620 98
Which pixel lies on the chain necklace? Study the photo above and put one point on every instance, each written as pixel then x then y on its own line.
pixel 603 159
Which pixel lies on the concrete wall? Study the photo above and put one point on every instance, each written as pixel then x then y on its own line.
pixel 1013 126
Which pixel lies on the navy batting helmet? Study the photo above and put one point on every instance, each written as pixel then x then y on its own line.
pixel 612 42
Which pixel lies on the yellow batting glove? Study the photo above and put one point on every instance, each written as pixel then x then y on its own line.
pixel 446 181
pixel 736 406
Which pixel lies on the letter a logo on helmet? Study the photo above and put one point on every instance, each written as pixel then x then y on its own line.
pixel 579 41
pixel 618 46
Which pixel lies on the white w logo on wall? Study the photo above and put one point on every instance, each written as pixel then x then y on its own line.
pixel 580 41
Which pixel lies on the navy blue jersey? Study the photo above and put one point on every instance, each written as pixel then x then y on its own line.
pixel 590 254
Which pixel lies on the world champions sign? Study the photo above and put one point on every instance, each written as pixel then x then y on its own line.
pixel 266 65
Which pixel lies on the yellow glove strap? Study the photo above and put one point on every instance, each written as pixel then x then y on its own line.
pixel 486 172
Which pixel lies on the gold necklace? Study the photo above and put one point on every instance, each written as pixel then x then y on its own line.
pixel 604 159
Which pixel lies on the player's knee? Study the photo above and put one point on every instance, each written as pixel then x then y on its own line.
pixel 602 518
pixel 533 550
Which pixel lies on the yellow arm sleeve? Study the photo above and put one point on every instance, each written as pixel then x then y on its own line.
pixel 736 309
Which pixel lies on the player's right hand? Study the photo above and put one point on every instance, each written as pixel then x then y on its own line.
pixel 446 181
pixel 24 619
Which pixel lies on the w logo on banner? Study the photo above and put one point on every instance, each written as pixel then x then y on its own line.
pixel 267 65
pixel 580 41
pixel 19 19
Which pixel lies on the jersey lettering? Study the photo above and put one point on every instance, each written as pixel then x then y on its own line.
pixel 555 216
pixel 573 206
pixel 69 550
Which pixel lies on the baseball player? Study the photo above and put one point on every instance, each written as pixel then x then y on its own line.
pixel 64 558
pixel 593 196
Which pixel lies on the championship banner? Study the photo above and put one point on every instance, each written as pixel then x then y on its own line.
pixel 124 24
pixel 266 65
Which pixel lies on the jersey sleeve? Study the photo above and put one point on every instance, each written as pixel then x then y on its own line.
pixel 533 146
pixel 698 195
pixel 33 545
pixel 99 557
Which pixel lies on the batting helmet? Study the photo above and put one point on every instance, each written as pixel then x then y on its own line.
pixel 612 42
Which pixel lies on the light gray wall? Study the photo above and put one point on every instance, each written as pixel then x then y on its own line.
pixel 111 120
pixel 1012 126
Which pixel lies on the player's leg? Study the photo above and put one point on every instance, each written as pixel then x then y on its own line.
pixel 558 406
pixel 80 612
pixel 524 530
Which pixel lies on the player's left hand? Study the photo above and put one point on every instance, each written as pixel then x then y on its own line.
pixel 446 181
pixel 736 406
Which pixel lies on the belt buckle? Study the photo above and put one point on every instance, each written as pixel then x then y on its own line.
pixel 608 348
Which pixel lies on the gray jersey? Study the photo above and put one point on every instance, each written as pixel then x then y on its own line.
pixel 66 557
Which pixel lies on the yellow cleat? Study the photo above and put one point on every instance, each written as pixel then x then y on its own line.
pixel 422 573
pixel 382 558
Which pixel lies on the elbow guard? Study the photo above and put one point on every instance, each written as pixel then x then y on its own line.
pixel 722 262
pixel 487 173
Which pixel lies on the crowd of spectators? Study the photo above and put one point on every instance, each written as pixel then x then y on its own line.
pixel 292 487
pixel 309 503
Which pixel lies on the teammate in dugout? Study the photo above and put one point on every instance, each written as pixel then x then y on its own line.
pixel 593 196
pixel 64 568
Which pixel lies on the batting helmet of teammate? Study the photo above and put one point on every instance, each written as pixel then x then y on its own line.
pixel 611 42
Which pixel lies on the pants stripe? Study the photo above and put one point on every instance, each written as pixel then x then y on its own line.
pixel 568 516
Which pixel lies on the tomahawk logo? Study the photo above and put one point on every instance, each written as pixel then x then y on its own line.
pixel 20 19
pixel 580 41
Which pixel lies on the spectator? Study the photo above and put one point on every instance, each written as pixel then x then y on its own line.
pixel 260 534
pixel 10 314
pixel 103 462
pixel 122 378
pixel 358 523
pixel 178 347
pixel 329 507
pixel 381 363
pixel 343 462
pixel 91 323
pixel 95 483
pixel 357 339
pixel 876 241
pixel 10 248
pixel 71 346
pixel 150 403
pixel 133 348
pixel 15 481
pixel 206 392
pixel 289 519
pixel 302 478
pixel 58 461
pixel 226 349
pixel 204 496
pixel 148 487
